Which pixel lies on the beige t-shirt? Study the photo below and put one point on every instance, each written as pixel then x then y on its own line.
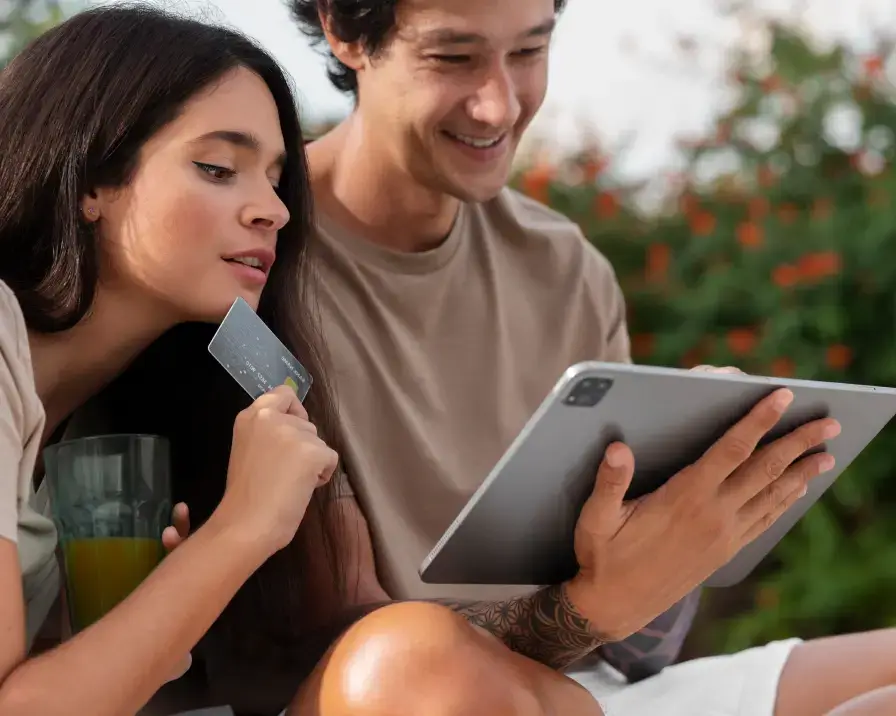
pixel 23 514
pixel 439 358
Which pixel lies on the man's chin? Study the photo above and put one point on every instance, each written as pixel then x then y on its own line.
pixel 474 192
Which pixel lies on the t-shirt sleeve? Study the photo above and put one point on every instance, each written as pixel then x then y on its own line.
pixel 608 302
pixel 11 413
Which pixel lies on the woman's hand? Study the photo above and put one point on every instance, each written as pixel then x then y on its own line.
pixel 276 462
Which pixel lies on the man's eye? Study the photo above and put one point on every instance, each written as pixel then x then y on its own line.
pixel 452 59
pixel 529 51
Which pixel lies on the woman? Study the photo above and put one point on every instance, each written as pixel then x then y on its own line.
pixel 140 190
pixel 151 168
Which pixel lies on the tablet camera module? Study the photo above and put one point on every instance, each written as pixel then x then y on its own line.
pixel 588 392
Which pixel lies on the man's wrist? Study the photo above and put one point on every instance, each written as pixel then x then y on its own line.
pixel 594 606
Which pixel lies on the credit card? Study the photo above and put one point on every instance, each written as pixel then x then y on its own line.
pixel 254 356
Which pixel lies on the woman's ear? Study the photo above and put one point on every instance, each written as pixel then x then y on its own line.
pixel 90 207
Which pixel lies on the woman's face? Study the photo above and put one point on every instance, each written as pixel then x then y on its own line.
pixel 197 224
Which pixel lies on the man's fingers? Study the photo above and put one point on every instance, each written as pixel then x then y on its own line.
pixel 737 445
pixel 179 529
pixel 180 519
pixel 614 476
pixel 170 539
pixel 768 464
pixel 728 369
pixel 794 479
pixel 771 515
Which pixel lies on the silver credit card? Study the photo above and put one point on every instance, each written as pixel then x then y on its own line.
pixel 254 356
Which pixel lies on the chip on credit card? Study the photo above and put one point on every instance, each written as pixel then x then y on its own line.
pixel 254 356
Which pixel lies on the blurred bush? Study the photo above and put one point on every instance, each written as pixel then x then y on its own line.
pixel 782 264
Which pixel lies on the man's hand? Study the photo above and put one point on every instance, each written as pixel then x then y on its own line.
pixel 172 538
pixel 637 558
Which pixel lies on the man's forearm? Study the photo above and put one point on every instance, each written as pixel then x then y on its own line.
pixel 544 626
pixel 657 645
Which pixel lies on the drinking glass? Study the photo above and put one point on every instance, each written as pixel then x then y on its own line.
pixel 110 497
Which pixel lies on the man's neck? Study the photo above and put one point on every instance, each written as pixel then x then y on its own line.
pixel 359 185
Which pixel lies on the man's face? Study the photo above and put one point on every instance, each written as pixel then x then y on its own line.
pixel 455 88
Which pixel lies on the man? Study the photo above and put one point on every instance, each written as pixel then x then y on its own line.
pixel 451 305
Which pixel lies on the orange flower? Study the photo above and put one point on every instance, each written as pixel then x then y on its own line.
pixel 757 208
pixel 702 223
pixel 873 65
pixel 658 258
pixel 786 276
pixel 592 168
pixel 772 83
pixel 822 208
pixel 819 265
pixel 750 235
pixel 838 357
pixel 783 367
pixel 788 213
pixel 606 205
pixel 742 341
pixel 536 182
pixel 642 345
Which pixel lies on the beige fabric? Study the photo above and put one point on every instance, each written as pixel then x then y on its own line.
pixel 439 358
pixel 23 515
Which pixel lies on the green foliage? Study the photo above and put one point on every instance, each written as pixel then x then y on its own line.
pixel 784 266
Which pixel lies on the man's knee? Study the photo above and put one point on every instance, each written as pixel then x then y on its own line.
pixel 419 658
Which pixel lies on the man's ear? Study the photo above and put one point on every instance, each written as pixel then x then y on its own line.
pixel 350 54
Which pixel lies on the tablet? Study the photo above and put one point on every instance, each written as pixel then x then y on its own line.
pixel 518 526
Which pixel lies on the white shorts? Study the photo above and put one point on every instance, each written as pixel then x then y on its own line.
pixel 742 684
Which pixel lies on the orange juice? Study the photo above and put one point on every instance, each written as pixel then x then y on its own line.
pixel 102 571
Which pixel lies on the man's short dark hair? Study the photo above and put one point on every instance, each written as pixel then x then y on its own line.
pixel 365 21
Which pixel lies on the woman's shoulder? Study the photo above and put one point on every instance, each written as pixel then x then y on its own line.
pixel 20 407
pixel 16 372
pixel 13 336
pixel 21 413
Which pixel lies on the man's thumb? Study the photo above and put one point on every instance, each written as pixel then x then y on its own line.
pixel 614 476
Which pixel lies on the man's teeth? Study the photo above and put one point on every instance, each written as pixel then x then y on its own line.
pixel 249 261
pixel 476 142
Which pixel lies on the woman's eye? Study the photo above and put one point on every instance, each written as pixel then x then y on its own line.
pixel 216 172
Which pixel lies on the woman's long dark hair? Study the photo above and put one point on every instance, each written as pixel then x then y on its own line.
pixel 76 106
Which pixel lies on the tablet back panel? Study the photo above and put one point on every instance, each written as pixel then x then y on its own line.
pixel 518 527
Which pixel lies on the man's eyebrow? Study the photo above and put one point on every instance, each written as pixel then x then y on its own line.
pixel 446 36
pixel 244 140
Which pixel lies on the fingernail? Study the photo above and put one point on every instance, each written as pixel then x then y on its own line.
pixel 614 457
pixel 783 399
pixel 827 463
pixel 804 491
pixel 832 431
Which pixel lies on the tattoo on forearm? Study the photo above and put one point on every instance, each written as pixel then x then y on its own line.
pixel 657 645
pixel 544 626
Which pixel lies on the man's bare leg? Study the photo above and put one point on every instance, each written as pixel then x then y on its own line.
pixel 834 672
pixel 416 658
